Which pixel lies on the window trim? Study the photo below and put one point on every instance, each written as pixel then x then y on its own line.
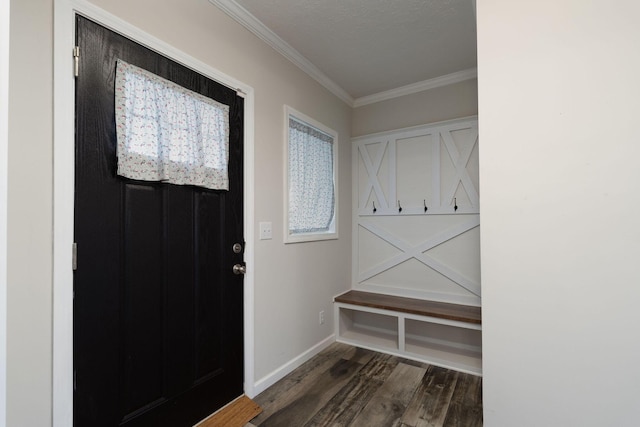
pixel 332 234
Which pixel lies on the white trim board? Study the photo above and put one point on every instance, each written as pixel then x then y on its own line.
pixel 4 163
pixel 63 199
pixel 412 131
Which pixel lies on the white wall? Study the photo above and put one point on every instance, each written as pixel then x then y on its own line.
pixel 292 281
pixel 559 99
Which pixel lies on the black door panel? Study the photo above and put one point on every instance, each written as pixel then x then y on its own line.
pixel 157 309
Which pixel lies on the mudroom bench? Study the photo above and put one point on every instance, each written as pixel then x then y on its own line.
pixel 442 334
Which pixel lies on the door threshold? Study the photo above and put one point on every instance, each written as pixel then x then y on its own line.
pixel 236 413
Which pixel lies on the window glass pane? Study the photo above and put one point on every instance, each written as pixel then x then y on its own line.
pixel 168 133
pixel 311 179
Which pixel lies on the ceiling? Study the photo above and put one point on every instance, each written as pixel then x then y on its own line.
pixel 363 50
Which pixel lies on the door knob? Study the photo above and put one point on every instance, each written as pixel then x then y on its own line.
pixel 239 269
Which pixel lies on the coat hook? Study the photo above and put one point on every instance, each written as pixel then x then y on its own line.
pixel 455 204
pixel 399 207
pixel 374 207
pixel 425 205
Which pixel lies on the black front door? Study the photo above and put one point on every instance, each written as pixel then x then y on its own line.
pixel 157 307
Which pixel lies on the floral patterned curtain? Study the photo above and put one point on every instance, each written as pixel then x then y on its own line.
pixel 311 184
pixel 168 133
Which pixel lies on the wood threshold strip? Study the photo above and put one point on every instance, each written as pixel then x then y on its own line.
pixel 236 414
pixel 442 310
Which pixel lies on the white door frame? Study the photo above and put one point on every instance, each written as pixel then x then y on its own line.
pixel 63 190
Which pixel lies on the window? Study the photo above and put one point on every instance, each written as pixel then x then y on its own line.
pixel 311 194
pixel 168 133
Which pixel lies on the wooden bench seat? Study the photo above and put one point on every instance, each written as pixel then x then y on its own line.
pixel 442 334
pixel 442 310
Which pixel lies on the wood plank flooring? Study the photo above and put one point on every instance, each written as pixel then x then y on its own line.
pixel 348 386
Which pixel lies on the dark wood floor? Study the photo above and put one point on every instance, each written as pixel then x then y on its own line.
pixel 347 386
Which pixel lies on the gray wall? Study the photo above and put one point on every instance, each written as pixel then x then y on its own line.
pixel 29 291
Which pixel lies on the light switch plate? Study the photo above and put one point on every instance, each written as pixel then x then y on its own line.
pixel 265 231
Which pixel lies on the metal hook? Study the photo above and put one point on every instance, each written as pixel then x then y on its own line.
pixel 374 207
pixel 425 205
pixel 455 204
pixel 399 207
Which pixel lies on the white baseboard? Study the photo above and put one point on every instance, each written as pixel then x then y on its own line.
pixel 268 380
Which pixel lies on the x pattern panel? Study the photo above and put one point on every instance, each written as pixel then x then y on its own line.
pixel 419 252
pixel 386 147
pixel 370 154
pixel 372 168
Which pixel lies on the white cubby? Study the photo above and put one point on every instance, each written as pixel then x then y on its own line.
pixel 379 330
pixel 447 343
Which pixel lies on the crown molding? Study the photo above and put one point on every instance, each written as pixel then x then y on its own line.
pixel 253 24
pixel 457 77
pixel 250 22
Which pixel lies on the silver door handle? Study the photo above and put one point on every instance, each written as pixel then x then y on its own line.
pixel 239 269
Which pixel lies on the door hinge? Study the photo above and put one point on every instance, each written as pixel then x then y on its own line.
pixel 74 256
pixel 76 60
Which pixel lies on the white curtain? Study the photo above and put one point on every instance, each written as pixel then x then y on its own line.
pixel 168 133
pixel 311 183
